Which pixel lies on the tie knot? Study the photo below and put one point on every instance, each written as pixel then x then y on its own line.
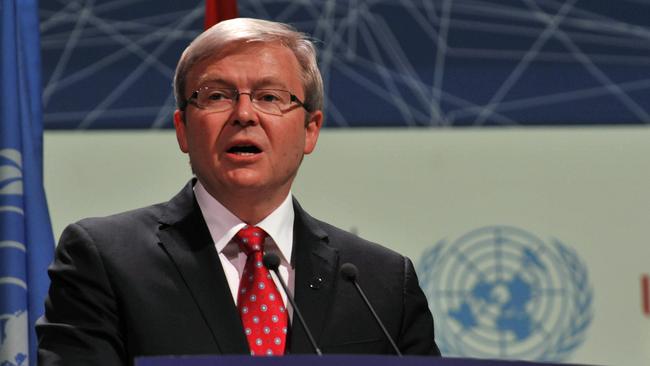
pixel 250 239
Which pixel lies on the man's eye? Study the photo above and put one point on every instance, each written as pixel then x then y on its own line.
pixel 216 96
pixel 268 98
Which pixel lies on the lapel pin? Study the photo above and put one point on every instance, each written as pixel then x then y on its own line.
pixel 316 283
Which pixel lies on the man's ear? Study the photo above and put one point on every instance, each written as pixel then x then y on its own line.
pixel 180 126
pixel 312 130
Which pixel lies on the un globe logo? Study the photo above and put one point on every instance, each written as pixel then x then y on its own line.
pixel 14 325
pixel 13 332
pixel 501 292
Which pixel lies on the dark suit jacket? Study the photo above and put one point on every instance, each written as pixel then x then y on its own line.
pixel 149 282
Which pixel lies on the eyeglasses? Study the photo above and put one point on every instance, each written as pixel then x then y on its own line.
pixel 271 101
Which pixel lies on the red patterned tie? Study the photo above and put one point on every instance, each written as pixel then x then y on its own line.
pixel 260 305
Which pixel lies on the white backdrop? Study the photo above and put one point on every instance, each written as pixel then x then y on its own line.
pixel 409 189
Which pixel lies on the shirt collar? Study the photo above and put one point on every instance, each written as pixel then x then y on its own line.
pixel 223 224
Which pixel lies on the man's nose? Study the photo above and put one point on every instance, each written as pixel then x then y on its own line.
pixel 243 112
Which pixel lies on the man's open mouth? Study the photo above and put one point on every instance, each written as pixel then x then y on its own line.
pixel 244 150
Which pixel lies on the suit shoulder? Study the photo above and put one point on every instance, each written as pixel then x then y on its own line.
pixel 345 242
pixel 123 220
pixel 117 231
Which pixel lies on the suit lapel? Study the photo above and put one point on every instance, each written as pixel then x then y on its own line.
pixel 315 262
pixel 185 237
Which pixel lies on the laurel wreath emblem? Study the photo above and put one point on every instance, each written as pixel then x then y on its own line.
pixel 575 332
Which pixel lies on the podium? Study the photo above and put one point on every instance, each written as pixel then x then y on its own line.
pixel 329 360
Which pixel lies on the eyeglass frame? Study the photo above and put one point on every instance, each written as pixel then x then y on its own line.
pixel 193 97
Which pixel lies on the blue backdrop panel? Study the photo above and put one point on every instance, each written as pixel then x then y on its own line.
pixel 386 63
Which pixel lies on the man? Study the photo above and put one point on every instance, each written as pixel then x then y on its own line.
pixel 185 277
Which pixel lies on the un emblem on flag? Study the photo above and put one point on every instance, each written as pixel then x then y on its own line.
pixel 501 292
pixel 13 285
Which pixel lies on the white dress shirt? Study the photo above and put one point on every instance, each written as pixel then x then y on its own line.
pixel 223 225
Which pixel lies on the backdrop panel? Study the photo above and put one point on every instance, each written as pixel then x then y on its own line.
pixel 530 243
pixel 109 64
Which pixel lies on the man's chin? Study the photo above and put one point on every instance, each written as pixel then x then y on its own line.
pixel 244 178
pixel 243 181
pixel 248 184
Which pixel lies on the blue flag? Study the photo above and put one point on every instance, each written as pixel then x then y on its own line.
pixel 26 240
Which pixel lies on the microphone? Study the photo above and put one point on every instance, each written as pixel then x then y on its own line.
pixel 272 262
pixel 349 273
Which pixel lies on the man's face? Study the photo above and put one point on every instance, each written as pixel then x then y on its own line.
pixel 244 151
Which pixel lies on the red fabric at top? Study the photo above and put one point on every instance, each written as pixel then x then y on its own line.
pixel 218 10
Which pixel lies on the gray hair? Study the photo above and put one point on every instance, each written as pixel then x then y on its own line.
pixel 216 39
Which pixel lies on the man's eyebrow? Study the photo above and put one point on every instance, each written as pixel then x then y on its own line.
pixel 263 83
pixel 269 83
pixel 215 81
